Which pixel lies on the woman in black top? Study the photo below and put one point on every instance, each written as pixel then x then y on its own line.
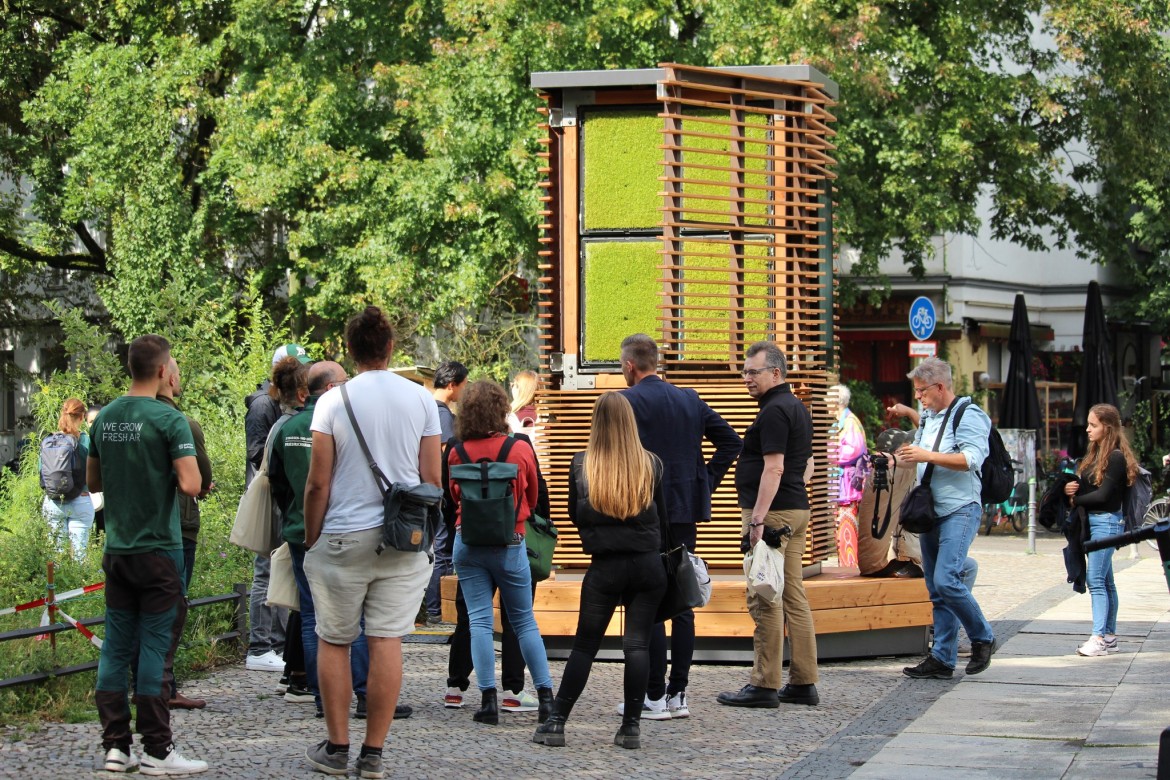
pixel 615 500
pixel 1106 470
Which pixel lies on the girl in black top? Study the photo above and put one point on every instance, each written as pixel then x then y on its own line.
pixel 615 500
pixel 1106 470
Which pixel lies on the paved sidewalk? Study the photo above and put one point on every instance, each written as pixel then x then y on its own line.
pixel 1039 711
pixel 1042 711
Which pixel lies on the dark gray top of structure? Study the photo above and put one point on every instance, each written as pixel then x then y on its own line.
pixel 648 77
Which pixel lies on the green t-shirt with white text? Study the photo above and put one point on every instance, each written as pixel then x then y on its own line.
pixel 136 439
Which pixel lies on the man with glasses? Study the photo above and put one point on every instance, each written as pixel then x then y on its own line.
pixel 775 466
pixel 955 486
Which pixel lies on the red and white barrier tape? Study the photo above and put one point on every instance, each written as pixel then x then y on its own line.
pixel 85 632
pixel 65 596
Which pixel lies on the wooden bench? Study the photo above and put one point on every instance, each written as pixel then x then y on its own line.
pixel 854 616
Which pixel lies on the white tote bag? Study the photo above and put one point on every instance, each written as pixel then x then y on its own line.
pixel 764 567
pixel 257 527
pixel 702 575
pixel 282 584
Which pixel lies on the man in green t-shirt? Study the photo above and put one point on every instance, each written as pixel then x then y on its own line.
pixel 142 451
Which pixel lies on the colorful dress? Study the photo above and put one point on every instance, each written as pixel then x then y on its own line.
pixel 851 462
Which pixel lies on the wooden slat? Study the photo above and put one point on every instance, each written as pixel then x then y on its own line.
pixel 565 428
pixel 840 601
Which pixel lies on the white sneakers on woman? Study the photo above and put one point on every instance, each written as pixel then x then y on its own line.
pixel 1097 646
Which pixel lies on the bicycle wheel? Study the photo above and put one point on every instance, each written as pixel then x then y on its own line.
pixel 988 520
pixel 1019 521
pixel 1159 510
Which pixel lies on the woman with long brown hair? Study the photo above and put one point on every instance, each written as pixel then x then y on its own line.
pixel 482 428
pixel 69 513
pixel 1107 469
pixel 616 502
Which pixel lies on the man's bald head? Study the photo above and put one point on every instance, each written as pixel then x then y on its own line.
pixel 324 373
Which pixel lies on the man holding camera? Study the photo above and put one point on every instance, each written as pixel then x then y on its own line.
pixel 955 487
pixel 775 466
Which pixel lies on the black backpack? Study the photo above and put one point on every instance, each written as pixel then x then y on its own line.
pixel 62 477
pixel 997 474
pixel 1137 500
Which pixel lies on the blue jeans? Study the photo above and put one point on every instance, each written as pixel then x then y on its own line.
pixel 434 596
pixel 265 623
pixel 481 570
pixel 70 517
pixel 1099 576
pixel 359 651
pixel 944 556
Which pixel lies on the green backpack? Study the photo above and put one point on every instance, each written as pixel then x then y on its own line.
pixel 488 508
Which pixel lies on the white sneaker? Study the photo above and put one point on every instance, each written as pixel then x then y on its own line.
pixel 173 764
pixel 1095 646
pixel 677 705
pixel 651 709
pixel 117 761
pixel 269 662
pixel 454 699
pixel 519 702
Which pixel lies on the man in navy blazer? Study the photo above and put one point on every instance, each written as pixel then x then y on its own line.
pixel 672 423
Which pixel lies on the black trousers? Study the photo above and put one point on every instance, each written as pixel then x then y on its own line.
pixel 682 636
pixel 636 581
pixel 145 610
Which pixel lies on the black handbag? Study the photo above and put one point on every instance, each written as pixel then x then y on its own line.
pixel 410 513
pixel 682 583
pixel 917 512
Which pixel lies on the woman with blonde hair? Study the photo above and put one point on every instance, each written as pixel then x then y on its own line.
pixel 522 417
pixel 616 502
pixel 1099 488
pixel 69 512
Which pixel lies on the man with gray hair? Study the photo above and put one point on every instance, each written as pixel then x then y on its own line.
pixel 775 467
pixel 957 453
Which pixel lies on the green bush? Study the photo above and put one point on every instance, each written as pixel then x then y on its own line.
pixel 223 350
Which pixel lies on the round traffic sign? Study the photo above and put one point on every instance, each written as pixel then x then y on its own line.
pixel 922 318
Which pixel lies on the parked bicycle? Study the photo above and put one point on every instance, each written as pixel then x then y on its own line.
pixel 1013 511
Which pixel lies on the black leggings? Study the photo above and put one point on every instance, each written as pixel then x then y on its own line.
pixel 636 581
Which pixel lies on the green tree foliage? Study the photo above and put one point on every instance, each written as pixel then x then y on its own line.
pixel 360 151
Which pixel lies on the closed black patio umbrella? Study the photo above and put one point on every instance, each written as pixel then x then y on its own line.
pixel 1020 407
pixel 1096 384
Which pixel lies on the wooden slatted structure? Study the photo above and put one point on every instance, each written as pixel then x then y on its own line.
pixel 744 254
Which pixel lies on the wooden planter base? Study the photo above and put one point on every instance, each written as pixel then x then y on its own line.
pixel 855 617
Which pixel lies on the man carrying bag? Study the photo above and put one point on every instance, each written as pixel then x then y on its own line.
pixel 954 484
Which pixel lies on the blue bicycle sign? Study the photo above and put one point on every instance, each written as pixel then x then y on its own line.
pixel 922 318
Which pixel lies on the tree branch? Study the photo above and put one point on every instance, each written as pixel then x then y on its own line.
pixel 312 17
pixel 95 262
pixel 66 22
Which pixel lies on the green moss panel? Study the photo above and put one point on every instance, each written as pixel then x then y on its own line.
pixel 756 135
pixel 621 170
pixel 623 163
pixel 621 295
pixel 714 326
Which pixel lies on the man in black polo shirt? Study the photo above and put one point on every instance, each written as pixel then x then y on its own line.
pixel 775 466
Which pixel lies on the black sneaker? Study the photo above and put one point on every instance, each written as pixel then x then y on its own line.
pixel 981 653
pixel 299 694
pixel 401 711
pixel 930 668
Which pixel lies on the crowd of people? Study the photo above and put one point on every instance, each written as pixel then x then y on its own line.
pixel 641 486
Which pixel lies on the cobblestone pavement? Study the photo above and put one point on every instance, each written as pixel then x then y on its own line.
pixel 248 731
